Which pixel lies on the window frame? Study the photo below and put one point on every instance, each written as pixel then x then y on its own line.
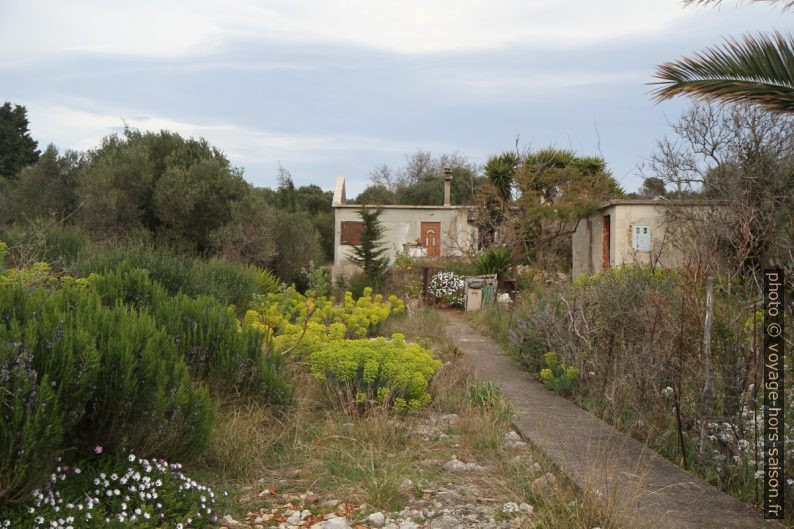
pixel 641 242
pixel 350 232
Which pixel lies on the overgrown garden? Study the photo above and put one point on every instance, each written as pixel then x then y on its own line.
pixel 675 356
pixel 156 310
pixel 112 365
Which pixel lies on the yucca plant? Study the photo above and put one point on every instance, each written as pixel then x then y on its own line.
pixel 500 172
pixel 758 69
pixel 495 261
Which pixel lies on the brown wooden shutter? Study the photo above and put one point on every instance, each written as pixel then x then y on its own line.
pixel 351 232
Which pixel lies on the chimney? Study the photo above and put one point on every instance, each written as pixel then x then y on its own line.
pixel 447 186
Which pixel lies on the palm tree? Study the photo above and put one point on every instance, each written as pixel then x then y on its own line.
pixel 500 172
pixel 759 69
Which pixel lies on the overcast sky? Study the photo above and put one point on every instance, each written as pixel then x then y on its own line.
pixel 335 87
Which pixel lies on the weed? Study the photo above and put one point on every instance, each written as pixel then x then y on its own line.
pixel 487 397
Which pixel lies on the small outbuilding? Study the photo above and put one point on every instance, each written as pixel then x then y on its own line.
pixel 627 231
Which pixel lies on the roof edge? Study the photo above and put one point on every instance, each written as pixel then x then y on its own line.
pixel 399 206
pixel 659 202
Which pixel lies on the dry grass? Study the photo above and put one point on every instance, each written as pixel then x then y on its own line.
pixel 244 432
pixel 323 447
pixel 423 325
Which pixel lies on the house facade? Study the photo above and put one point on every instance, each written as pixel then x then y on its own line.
pixel 418 231
pixel 626 232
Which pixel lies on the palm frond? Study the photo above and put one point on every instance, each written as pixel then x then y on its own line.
pixel 757 70
pixel 786 4
pixel 500 171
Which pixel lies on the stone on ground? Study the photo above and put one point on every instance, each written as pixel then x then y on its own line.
pixel 544 482
pixel 376 519
pixel 456 465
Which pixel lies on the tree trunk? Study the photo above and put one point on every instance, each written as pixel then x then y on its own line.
pixel 706 395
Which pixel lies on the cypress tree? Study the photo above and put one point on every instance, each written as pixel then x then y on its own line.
pixel 369 255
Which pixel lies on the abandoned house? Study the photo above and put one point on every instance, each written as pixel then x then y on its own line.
pixel 627 231
pixel 417 231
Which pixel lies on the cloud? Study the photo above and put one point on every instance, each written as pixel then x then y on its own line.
pixel 337 86
pixel 418 26
pixel 34 29
pixel 476 85
pixel 80 128
pixel 174 28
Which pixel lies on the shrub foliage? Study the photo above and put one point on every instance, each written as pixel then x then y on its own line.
pixel 75 373
pixel 391 372
pixel 121 361
pixel 217 350
pixel 628 344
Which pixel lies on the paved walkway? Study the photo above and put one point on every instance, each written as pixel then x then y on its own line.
pixel 595 455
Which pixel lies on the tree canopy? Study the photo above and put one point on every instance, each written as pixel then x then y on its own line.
pixel 421 181
pixel 180 194
pixel 533 201
pixel 653 187
pixel 742 157
pixel 44 189
pixel 168 188
pixel 17 148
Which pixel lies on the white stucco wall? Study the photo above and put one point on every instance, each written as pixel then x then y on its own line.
pixel 402 226
pixel 586 246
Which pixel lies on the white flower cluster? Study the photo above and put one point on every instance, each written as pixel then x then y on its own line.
pixel 511 507
pixel 448 287
pixel 733 444
pixel 129 499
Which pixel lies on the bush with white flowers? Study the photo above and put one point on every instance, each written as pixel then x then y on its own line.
pixel 134 492
pixel 447 287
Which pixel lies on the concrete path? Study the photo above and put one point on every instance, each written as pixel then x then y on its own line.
pixel 595 455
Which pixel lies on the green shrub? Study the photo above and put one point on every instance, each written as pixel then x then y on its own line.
pixel 380 371
pixel 57 244
pixel 31 432
pixel 231 361
pixel 318 280
pixel 128 285
pixel 356 284
pixel 494 261
pixel 228 359
pixel 559 377
pixel 462 266
pixel 172 272
pixel 230 283
pixel 76 374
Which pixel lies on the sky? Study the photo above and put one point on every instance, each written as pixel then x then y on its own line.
pixel 337 87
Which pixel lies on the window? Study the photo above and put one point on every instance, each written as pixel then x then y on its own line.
pixel 351 232
pixel 641 238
